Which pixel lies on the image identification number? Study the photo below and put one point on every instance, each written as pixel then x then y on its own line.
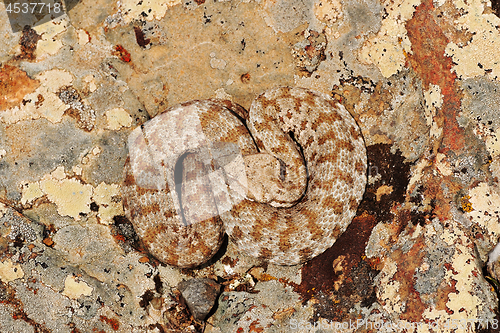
pixel 33 7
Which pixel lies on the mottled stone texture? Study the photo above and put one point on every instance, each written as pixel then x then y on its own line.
pixel 420 77
pixel 200 295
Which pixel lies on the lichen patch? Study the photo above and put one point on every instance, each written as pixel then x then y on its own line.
pixel 118 118
pixel 493 144
pixel 485 201
pixel 461 275
pixel 107 197
pixel 389 294
pixel 10 271
pixel 50 43
pixel 70 195
pixel 480 56
pixel 387 50
pixel 433 101
pixel 74 288
pixel 146 9
pixel 43 102
pixel 328 11
pixel 30 192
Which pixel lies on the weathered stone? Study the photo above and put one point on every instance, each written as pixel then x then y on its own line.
pixel 200 295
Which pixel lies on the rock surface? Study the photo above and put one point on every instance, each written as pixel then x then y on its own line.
pixel 421 78
pixel 200 295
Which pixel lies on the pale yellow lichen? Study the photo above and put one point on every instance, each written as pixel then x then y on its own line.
pixel 90 83
pixel 74 288
pixel 480 55
pixel 10 271
pixel 448 237
pixel 437 320
pixel 3 209
pixel 118 118
pixel 96 150
pixel 58 173
pixel 463 276
pixel 387 50
pixel 70 195
pixel 463 303
pixel 439 3
pixel 30 192
pixel 108 199
pixel 443 165
pixel 73 197
pixel 493 144
pixel 388 292
pixel 486 202
pixel 222 94
pixel 417 173
pixel 49 44
pixel 385 53
pixel 495 167
pixel 87 158
pixel 83 37
pixel 43 102
pixel 133 9
pixel 77 170
pixel 433 101
pixel 328 11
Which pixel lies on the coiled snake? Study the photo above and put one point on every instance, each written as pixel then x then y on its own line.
pixel 284 193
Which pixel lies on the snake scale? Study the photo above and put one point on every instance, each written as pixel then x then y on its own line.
pixel 283 192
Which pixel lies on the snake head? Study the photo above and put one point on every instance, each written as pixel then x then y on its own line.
pixel 267 183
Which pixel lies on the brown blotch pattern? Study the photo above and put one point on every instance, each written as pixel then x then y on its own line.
pixel 334 204
pixel 280 235
pixel 256 233
pixel 265 253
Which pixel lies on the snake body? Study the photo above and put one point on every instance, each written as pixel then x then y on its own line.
pixel 283 192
